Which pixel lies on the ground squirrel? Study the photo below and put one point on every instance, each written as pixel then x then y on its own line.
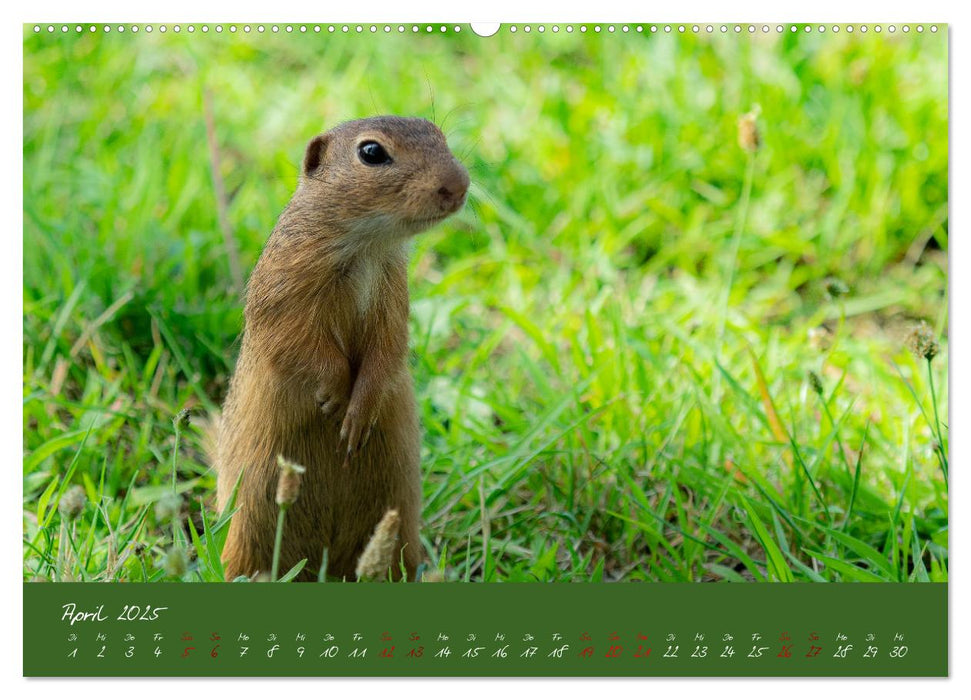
pixel 322 374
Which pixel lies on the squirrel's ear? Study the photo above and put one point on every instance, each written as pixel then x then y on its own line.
pixel 316 150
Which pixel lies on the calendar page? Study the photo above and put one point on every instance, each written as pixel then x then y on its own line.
pixel 551 349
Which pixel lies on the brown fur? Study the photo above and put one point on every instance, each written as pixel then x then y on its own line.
pixel 322 375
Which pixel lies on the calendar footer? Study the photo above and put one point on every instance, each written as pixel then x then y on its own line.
pixel 536 629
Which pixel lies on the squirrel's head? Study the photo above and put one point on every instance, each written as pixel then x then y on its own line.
pixel 383 176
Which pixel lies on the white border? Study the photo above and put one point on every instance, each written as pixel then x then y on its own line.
pixel 518 11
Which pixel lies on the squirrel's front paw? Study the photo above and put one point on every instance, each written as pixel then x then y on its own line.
pixel 355 431
pixel 328 405
pixel 329 402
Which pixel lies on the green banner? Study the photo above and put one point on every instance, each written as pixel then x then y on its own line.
pixel 485 630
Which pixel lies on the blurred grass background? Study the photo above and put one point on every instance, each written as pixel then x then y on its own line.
pixel 612 343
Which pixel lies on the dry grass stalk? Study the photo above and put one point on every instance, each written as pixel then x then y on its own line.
pixel 222 202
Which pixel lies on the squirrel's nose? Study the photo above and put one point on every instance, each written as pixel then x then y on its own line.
pixel 453 189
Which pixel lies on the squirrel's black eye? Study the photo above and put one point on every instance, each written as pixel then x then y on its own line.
pixel 373 153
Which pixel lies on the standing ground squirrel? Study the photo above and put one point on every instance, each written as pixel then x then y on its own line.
pixel 322 375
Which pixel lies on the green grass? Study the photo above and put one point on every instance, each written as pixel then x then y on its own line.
pixel 612 344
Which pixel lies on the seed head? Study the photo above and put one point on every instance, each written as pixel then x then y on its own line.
pixel 923 343
pixel 749 137
pixel 72 503
pixel 820 338
pixel 168 506
pixel 836 287
pixel 181 420
pixel 379 555
pixel 432 576
pixel 175 562
pixel 288 486
pixel 815 382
